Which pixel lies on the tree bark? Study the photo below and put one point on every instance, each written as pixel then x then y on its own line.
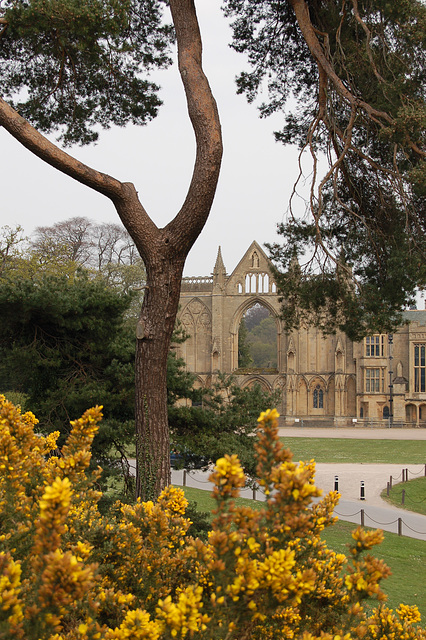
pixel 154 333
pixel 163 250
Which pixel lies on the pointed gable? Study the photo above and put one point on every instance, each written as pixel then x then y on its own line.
pixel 252 274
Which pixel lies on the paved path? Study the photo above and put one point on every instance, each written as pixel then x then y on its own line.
pixel 376 512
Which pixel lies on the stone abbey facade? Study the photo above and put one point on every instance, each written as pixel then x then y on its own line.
pixel 332 380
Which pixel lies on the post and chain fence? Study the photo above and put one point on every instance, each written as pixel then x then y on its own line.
pixel 256 493
pixel 404 476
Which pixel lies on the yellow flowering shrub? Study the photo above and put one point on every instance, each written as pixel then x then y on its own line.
pixel 69 573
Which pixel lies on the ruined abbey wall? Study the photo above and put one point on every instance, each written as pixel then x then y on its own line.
pixel 323 379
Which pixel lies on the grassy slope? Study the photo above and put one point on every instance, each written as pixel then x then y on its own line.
pixel 405 556
pixel 415 495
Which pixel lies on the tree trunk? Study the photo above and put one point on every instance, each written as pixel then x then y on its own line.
pixel 163 250
pixel 153 335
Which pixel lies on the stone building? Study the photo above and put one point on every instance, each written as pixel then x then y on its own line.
pixel 321 379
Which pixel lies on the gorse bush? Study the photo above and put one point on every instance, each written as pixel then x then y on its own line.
pixel 70 573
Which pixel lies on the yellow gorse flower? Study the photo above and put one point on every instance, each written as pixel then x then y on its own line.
pixel 67 572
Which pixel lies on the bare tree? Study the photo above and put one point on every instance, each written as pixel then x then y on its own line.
pixel 113 246
pixel 89 245
pixel 68 241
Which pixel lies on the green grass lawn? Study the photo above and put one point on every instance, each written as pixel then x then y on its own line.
pixel 415 495
pixel 350 450
pixel 405 556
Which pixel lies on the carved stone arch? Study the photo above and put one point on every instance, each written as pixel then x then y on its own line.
pixel 422 412
pixel 330 383
pixel 196 350
pixel 211 310
pixel 186 318
pixel 317 379
pixel 302 379
pixel 185 315
pixel 292 382
pixel 236 318
pixel 246 304
pixel 199 380
pixel 280 382
pixel 250 381
pixel 198 311
pixel 411 412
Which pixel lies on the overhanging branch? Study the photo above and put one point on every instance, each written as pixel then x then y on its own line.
pixel 47 151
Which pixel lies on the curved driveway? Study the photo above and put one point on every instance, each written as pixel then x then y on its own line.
pixel 377 512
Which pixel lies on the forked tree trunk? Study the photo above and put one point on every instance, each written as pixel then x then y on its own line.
pixel 163 250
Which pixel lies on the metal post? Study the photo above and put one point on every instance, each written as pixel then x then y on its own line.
pixel 403 475
pixel 184 477
pixel 336 483
pixel 362 517
pixel 390 339
pixel 390 482
pixel 254 492
pixel 400 526
pixel 406 475
pixel 362 497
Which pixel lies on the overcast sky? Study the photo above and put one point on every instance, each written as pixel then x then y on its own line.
pixel 254 187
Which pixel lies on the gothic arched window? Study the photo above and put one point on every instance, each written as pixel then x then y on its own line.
pixel 318 397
